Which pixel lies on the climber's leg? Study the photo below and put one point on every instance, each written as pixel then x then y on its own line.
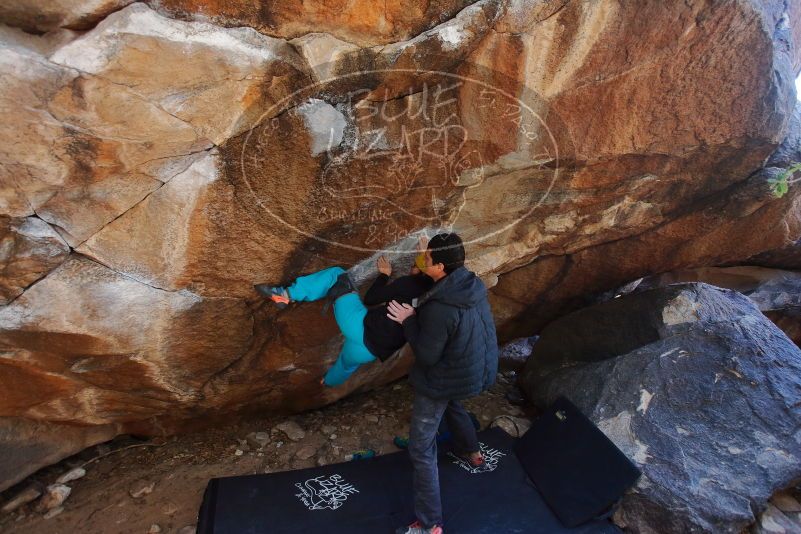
pixel 314 286
pixel 350 358
pixel 349 312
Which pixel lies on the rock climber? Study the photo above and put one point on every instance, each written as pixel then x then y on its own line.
pixel 369 333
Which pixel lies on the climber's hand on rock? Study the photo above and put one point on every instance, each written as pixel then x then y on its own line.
pixel 384 267
pixel 422 243
pixel 399 312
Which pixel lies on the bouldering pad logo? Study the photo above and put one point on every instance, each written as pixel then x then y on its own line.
pixel 324 493
pixel 491 459
pixel 364 160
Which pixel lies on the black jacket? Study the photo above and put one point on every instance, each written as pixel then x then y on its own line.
pixel 382 335
pixel 453 338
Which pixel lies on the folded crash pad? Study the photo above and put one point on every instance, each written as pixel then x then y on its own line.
pixel 374 496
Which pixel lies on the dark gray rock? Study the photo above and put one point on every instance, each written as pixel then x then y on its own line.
pixel 770 289
pixel 696 386
pixel 776 292
pixel 514 354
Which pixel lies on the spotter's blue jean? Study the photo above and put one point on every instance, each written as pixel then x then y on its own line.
pixel 349 312
pixel 427 413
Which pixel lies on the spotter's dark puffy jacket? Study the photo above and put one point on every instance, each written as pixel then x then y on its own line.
pixel 453 338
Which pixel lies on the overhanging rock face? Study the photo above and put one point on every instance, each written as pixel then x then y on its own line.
pixel 696 386
pixel 173 153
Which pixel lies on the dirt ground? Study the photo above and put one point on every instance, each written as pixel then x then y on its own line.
pixel 179 468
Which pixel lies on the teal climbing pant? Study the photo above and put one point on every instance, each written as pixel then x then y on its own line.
pixel 349 312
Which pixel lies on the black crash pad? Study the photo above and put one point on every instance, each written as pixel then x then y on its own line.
pixel 580 473
pixel 375 496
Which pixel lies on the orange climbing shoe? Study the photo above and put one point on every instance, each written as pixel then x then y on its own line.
pixel 279 295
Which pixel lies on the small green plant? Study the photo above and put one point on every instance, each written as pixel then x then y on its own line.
pixel 781 184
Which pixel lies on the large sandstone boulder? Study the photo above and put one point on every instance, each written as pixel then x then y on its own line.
pixel 184 150
pixel 554 285
pixel 696 386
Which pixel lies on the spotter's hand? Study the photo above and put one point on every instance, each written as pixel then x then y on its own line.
pixel 399 312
